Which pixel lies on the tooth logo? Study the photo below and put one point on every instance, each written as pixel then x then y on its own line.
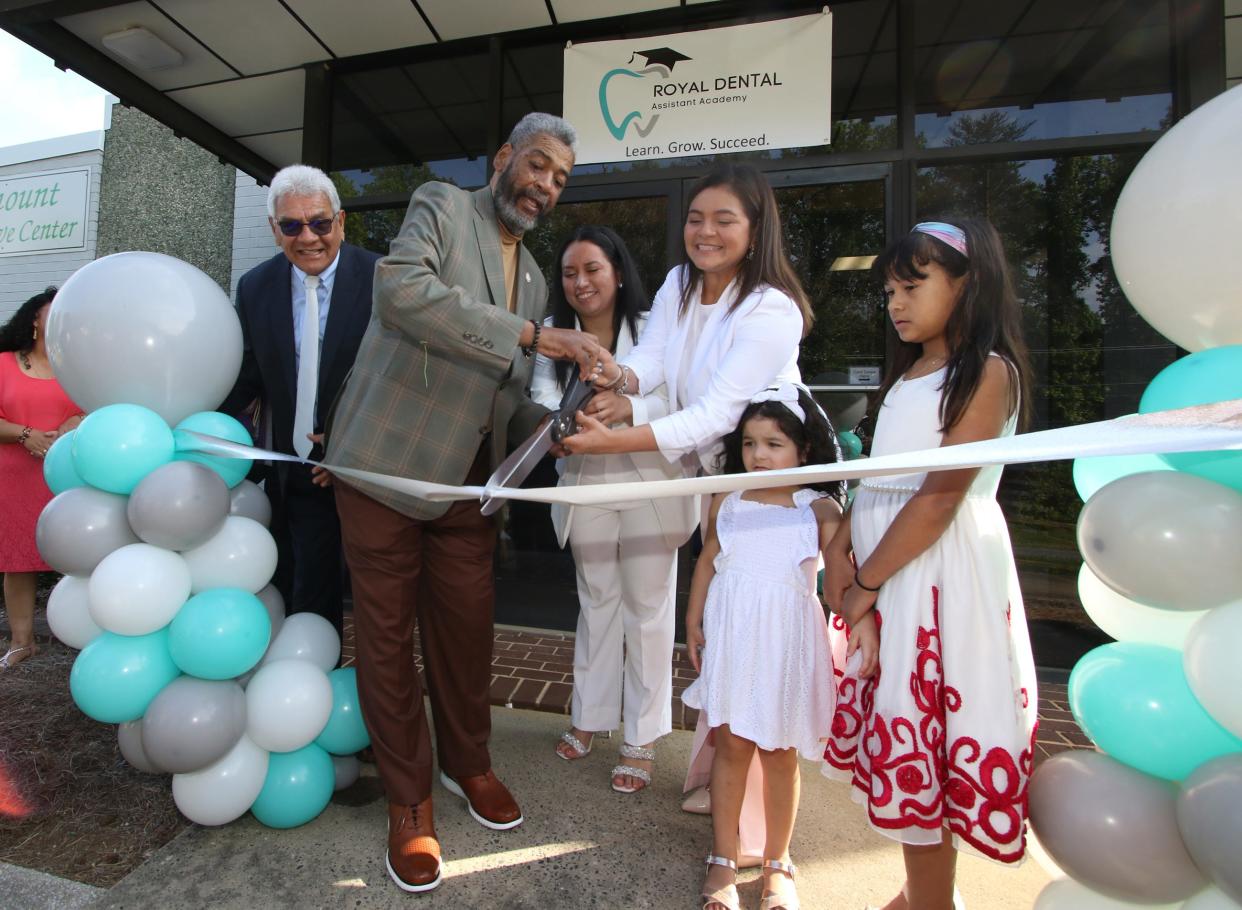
pixel 660 61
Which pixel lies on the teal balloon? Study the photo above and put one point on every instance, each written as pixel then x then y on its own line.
pixel 118 445
pixel 1204 377
pixel 213 423
pixel 1134 702
pixel 219 633
pixel 117 676
pixel 297 788
pixel 345 733
pixel 1092 473
pixel 58 470
pixel 851 445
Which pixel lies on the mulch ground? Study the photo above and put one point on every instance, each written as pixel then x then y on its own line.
pixel 69 803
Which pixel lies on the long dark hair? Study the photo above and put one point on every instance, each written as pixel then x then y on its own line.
pixel 18 333
pixel 631 296
pixel 768 264
pixel 815 440
pixel 987 318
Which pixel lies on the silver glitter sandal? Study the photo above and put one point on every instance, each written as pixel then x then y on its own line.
pixel 580 750
pixel 633 753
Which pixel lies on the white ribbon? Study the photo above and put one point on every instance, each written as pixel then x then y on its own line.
pixel 1203 428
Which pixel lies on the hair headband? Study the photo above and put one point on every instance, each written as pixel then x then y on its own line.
pixel 949 234
pixel 787 394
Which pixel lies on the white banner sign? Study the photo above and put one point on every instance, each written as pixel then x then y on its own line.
pixel 766 85
pixel 44 213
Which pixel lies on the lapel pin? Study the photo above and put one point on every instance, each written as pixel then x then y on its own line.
pixel 528 277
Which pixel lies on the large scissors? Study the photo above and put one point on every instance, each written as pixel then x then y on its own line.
pixel 517 467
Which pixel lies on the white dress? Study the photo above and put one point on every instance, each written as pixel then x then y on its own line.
pixel 767 663
pixel 944 734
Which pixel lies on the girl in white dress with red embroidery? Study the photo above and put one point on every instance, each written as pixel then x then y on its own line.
pixel 936 712
pixel 756 632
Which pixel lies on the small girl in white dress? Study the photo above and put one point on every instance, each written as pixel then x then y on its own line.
pixel 935 714
pixel 757 634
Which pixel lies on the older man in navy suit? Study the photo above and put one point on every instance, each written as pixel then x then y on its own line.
pixel 303 314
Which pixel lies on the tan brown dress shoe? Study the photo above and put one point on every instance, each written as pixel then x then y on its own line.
pixel 490 802
pixel 413 857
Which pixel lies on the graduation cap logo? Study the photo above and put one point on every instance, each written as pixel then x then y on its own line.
pixel 660 56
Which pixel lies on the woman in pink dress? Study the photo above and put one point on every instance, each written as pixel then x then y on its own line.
pixel 34 411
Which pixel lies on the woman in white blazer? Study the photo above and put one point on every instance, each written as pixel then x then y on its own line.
pixel 725 325
pixel 625 556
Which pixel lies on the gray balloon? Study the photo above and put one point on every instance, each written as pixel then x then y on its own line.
pixel 80 527
pixel 1209 812
pixel 347 769
pixel 248 500
pixel 193 722
pixel 179 505
pixel 275 604
pixel 129 738
pixel 1112 828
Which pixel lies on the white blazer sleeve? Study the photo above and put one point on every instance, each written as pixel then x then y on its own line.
pixel 766 335
pixel 543 387
pixel 647 357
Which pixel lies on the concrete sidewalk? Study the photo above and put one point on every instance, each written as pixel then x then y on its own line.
pixel 581 846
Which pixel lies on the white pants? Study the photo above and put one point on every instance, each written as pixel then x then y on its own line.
pixel 626 589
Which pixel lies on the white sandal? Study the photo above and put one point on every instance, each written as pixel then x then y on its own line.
pixel 6 664
pixel 773 901
pixel 633 753
pixel 727 896
pixel 580 751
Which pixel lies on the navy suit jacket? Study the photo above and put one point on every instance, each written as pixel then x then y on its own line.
pixel 265 307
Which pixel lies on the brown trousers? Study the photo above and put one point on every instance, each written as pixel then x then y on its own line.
pixel 438 572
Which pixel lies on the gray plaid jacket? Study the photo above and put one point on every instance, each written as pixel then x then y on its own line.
pixel 439 367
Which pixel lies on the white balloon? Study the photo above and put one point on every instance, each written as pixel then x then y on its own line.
pixel 148 329
pixel 1213 668
pixel 242 554
pixel 225 789
pixel 306 636
pixel 1211 899
pixel 138 589
pixel 1183 204
pixel 288 702
pixel 1129 620
pixel 69 614
pixel 1067 894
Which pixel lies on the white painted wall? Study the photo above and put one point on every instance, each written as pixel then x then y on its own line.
pixel 23 276
pixel 252 238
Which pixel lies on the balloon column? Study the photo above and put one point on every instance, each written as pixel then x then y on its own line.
pixel 1155 817
pixel 167 559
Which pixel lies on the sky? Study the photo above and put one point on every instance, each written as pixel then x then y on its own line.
pixel 41 102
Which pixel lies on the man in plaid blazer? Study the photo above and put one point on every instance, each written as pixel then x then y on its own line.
pixel 438 393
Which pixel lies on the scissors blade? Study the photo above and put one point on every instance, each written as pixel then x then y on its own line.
pixel 517 467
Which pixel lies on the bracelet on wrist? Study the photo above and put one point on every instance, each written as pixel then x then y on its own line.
pixel 622 380
pixel 858 581
pixel 530 349
pixel 24 435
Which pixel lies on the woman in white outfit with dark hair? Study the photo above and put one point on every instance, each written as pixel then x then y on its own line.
pixel 625 554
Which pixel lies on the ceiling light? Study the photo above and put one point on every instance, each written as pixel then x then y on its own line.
pixel 143 49
pixel 851 263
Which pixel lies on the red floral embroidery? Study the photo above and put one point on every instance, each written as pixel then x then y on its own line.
pixel 913 778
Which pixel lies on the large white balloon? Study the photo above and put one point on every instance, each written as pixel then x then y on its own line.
pixel 306 636
pixel 1211 899
pixel 1213 667
pixel 144 328
pixel 1166 539
pixel 69 612
pixel 224 790
pixel 138 589
pixel 288 702
pixel 1176 228
pixel 1129 620
pixel 242 554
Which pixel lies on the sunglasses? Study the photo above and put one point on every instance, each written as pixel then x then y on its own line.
pixel 320 226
